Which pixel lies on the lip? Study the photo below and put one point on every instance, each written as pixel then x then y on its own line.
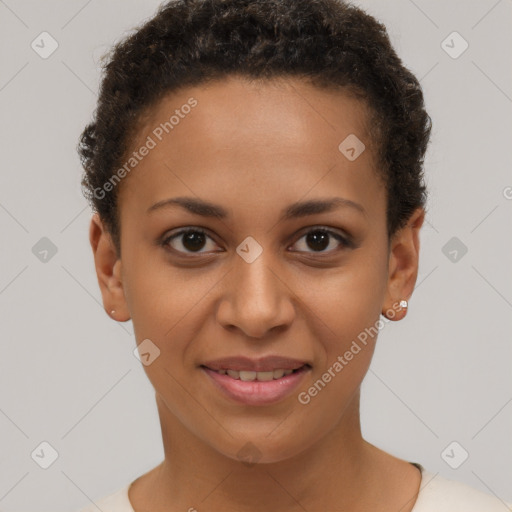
pixel 257 393
pixel 264 364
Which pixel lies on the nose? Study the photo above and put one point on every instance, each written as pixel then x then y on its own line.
pixel 256 299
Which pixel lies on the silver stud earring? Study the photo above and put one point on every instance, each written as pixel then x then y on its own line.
pixel 403 303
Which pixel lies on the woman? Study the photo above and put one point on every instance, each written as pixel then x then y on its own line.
pixel 255 168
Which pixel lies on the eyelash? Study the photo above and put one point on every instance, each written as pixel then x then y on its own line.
pixel 346 242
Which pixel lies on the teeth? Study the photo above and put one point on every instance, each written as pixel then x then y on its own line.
pixel 248 376
pixel 265 375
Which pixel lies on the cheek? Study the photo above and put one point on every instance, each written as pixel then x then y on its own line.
pixel 162 299
pixel 168 308
pixel 344 309
pixel 347 299
pixel 346 322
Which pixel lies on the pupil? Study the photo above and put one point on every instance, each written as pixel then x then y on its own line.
pixel 193 240
pixel 321 238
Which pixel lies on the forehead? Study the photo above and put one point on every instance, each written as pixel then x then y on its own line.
pixel 255 143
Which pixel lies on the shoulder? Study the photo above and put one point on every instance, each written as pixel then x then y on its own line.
pixel 117 501
pixel 439 494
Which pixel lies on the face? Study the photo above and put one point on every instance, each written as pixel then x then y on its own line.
pixel 275 244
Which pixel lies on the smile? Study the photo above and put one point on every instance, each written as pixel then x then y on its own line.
pixel 257 388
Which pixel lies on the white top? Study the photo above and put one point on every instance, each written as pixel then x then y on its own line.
pixel 437 494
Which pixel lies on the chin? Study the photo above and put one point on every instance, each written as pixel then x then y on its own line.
pixel 261 448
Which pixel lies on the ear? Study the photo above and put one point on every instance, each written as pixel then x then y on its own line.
pixel 403 266
pixel 108 270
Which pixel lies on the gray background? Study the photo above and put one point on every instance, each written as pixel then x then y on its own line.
pixel 68 375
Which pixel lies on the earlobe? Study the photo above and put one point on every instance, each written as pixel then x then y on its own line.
pixel 108 270
pixel 403 267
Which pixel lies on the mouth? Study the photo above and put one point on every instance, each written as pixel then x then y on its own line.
pixel 256 388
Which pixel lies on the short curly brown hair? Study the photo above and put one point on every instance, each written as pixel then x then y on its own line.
pixel 328 42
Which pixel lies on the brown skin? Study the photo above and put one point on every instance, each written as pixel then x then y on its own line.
pixel 254 149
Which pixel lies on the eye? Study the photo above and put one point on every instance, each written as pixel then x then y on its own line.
pixel 192 239
pixel 319 238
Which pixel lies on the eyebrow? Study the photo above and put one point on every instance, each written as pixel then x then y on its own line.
pixel 295 210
